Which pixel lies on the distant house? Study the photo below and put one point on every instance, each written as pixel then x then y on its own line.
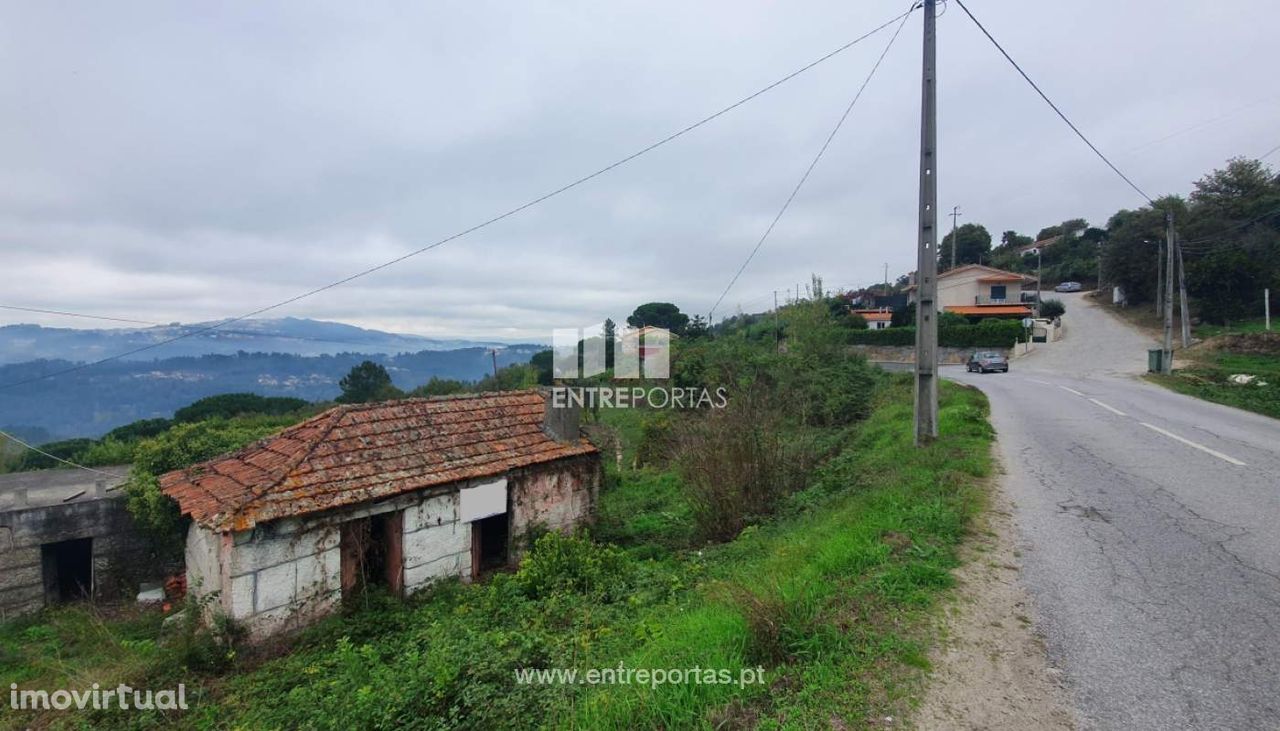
pixel 873 301
pixel 648 340
pixel 397 494
pixel 1039 246
pixel 66 535
pixel 978 291
pixel 876 319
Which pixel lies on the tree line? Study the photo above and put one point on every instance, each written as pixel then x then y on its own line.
pixel 1228 228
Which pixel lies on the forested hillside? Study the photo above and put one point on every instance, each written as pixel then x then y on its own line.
pixel 92 401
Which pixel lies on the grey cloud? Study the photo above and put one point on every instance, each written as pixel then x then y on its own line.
pixel 194 162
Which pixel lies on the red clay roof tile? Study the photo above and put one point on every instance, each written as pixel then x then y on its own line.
pixel 361 452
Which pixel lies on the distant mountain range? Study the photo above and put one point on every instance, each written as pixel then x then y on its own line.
pixel 21 343
pixel 286 357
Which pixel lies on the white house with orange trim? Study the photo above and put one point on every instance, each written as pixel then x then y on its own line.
pixel 975 290
pixel 878 319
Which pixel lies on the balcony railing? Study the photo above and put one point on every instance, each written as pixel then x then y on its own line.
pixel 1016 298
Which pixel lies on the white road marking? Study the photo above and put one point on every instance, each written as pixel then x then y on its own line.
pixel 1070 390
pixel 1037 380
pixel 1190 443
pixel 1112 409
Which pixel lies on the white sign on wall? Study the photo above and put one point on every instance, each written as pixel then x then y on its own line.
pixel 482 501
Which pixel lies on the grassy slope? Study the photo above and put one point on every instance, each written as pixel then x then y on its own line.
pixel 1242 348
pixel 836 588
pixel 826 597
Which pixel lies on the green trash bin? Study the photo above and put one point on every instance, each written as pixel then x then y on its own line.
pixel 1155 360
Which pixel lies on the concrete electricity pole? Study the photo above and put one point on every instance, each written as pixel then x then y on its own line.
pixel 1166 360
pixel 1159 276
pixel 1099 287
pixel 1266 308
pixel 1037 281
pixel 926 392
pixel 1184 316
pixel 955 213
pixel 777 328
pixel 886 279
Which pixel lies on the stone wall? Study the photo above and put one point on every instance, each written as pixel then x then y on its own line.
pixel 907 353
pixel 436 544
pixel 284 574
pixel 121 557
pixel 555 497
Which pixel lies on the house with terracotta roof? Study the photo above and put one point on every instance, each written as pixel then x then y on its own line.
pixel 877 319
pixel 978 291
pixel 396 494
pixel 1039 246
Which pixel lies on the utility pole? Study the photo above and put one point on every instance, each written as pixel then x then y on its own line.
pixel 1159 276
pixel 1037 281
pixel 1184 315
pixel 1166 360
pixel 1266 308
pixel 494 353
pixel 926 392
pixel 1099 287
pixel 955 213
pixel 886 279
pixel 777 328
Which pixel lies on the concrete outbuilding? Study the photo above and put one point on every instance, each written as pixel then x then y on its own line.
pixel 397 494
pixel 66 535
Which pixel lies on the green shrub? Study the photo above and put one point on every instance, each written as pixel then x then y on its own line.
pixel 229 405
pixel 1052 308
pixel 561 564
pixel 182 446
pixel 657 438
pixel 736 465
pixel 988 333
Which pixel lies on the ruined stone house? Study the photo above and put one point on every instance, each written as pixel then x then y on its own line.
pixel 396 494
pixel 65 535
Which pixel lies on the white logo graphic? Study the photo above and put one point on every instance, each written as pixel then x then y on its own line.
pixel 637 353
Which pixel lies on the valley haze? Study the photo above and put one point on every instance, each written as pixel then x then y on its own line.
pixel 295 357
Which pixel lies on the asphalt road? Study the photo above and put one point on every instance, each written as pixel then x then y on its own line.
pixel 1149 528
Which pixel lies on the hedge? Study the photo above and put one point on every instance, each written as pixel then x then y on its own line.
pixel 986 334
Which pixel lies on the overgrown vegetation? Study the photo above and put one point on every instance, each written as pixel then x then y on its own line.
pixel 1237 368
pixel 797 532
pixel 233 413
pixel 989 333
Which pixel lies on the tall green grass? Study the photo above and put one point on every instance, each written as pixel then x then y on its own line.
pixel 829 598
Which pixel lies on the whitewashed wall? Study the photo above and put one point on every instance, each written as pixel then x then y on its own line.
pixel 284 574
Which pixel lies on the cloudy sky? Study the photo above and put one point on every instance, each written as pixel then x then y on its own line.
pixel 189 162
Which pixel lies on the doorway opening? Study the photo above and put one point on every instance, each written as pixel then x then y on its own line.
pixel 489 544
pixel 68 570
pixel 371 551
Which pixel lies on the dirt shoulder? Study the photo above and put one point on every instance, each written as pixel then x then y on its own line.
pixel 989 665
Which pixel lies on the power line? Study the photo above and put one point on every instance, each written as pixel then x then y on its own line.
pixel 76 314
pixel 1269 153
pixel 55 457
pixel 1210 240
pixel 1049 101
pixel 800 184
pixel 1203 123
pixel 495 219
